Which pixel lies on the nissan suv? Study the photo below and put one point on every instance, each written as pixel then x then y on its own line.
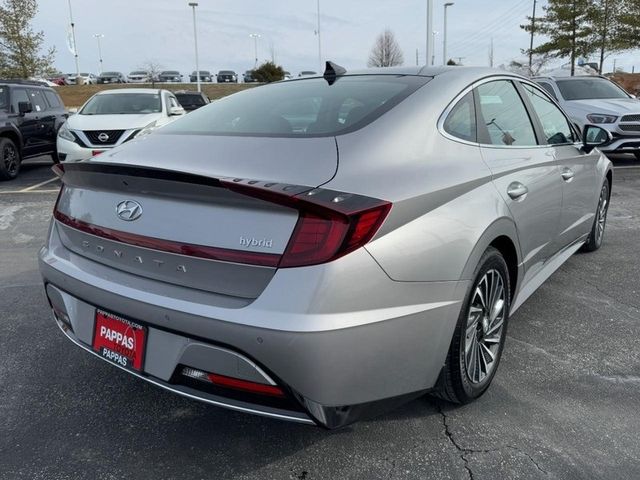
pixel 598 101
pixel 30 116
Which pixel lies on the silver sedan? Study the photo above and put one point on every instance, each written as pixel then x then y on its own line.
pixel 322 249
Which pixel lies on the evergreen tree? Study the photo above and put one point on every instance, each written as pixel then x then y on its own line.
pixel 611 35
pixel 19 45
pixel 569 27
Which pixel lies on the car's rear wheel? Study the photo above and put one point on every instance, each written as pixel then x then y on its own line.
pixel 479 337
pixel 596 236
pixel 9 159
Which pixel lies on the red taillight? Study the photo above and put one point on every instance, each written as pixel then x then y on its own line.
pixel 232 382
pixel 330 224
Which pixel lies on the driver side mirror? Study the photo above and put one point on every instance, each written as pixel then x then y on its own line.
pixel 176 111
pixel 24 107
pixel 594 136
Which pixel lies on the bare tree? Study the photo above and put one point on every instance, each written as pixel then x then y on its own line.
pixel 386 51
pixel 153 69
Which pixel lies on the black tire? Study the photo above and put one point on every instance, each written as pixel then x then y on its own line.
pixel 456 383
pixel 596 236
pixel 9 159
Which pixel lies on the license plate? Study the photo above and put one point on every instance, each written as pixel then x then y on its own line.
pixel 119 340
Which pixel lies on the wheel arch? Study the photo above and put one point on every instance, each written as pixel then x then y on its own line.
pixel 501 235
pixel 14 135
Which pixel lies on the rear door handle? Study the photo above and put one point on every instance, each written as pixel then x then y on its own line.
pixel 517 191
pixel 567 174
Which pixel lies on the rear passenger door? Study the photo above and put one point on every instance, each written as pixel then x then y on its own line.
pixel 577 168
pixel 44 120
pixel 525 173
pixel 28 124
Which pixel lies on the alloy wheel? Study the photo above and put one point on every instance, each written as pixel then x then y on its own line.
pixel 603 205
pixel 10 159
pixel 485 322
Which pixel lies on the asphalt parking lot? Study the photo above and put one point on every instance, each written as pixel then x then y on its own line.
pixel 565 403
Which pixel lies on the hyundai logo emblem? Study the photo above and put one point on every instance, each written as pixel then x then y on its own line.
pixel 128 210
pixel 103 137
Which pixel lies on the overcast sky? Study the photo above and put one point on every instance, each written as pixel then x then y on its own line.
pixel 136 31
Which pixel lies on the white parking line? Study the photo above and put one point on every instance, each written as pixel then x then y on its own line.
pixel 33 187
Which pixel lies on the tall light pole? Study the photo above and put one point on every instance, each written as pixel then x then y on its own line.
pixel 444 40
pixel 98 36
pixel 319 41
pixel 533 31
pixel 73 37
pixel 255 37
pixel 193 6
pixel 430 36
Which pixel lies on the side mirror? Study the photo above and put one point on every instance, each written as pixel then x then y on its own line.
pixel 176 111
pixel 24 107
pixel 73 111
pixel 594 136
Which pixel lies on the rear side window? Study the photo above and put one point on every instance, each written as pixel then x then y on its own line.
pixel 549 89
pixel 37 100
pixel 557 130
pixel 4 99
pixel 309 107
pixel 52 99
pixel 18 95
pixel 504 115
pixel 187 99
pixel 461 121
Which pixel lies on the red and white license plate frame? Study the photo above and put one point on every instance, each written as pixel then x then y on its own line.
pixel 119 340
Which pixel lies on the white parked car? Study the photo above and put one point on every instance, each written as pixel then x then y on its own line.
pixel 139 76
pixel 113 117
pixel 87 78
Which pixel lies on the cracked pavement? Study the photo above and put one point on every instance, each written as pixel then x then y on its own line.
pixel 564 405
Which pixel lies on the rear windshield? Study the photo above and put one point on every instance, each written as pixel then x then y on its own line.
pixel 301 108
pixel 190 99
pixel 590 88
pixel 123 103
pixel 4 99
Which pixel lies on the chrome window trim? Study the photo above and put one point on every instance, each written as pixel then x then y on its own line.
pixel 469 88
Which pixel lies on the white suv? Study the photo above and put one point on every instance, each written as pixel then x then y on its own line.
pixel 112 117
pixel 595 100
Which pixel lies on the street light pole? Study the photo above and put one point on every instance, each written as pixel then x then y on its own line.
pixel 98 36
pixel 319 40
pixel 444 42
pixel 75 45
pixel 193 6
pixel 255 37
pixel 533 31
pixel 430 36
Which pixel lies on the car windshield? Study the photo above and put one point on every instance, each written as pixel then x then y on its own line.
pixel 170 72
pixel 123 103
pixel 109 74
pixel 589 88
pixel 190 99
pixel 138 73
pixel 302 108
pixel 4 99
pixel 84 74
pixel 226 72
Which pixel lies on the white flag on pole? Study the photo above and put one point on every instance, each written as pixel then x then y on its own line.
pixel 71 45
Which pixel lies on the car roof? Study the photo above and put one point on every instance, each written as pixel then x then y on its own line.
pixel 562 79
pixel 470 73
pixel 130 90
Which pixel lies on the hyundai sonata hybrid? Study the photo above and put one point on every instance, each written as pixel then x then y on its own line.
pixel 322 249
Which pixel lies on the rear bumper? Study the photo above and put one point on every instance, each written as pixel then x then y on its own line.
pixel 339 360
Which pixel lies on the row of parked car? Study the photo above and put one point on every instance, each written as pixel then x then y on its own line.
pixel 166 76
pixel 35 122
